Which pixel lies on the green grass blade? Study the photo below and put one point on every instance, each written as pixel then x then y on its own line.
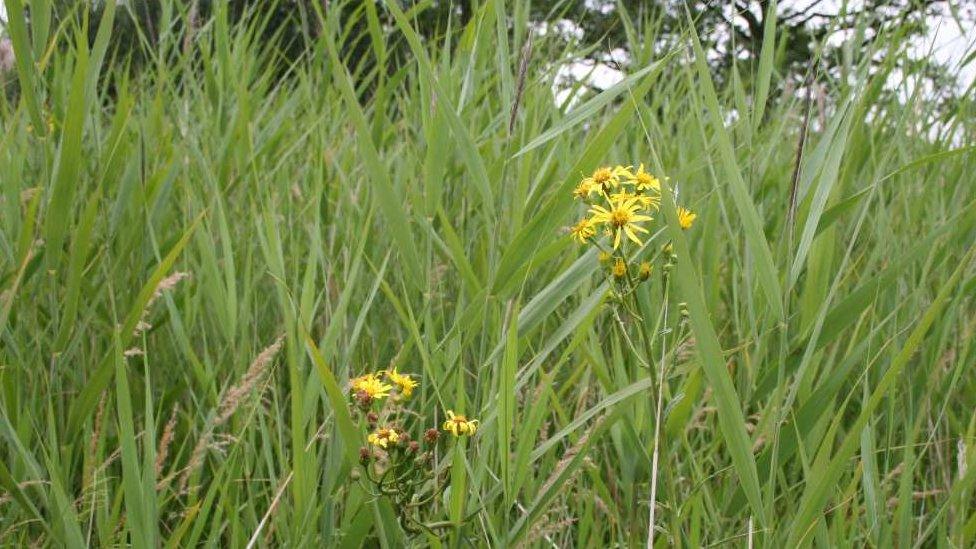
pixel 730 417
pixel 824 478
pixel 748 214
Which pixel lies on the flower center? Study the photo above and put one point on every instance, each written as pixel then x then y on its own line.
pixel 602 175
pixel 620 217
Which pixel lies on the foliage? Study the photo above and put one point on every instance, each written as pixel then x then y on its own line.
pixel 197 260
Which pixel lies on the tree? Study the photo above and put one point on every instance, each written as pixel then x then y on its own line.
pixel 733 32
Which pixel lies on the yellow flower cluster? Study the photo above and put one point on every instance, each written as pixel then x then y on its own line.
pixel 621 201
pixel 370 387
pixel 391 461
pixel 620 204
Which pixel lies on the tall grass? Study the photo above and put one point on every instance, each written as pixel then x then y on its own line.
pixel 398 219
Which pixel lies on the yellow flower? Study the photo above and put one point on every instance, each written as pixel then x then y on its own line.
pixel 621 196
pixel 584 190
pixel 583 231
pixel 649 200
pixel 403 381
pixel 619 268
pixel 686 218
pixel 603 257
pixel 645 200
pixel 644 271
pixel 644 181
pixel 605 178
pixel 371 386
pixel 622 218
pixel 459 425
pixel 383 437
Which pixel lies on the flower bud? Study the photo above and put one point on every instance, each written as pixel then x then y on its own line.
pixel 619 268
pixel 371 419
pixel 431 435
pixel 363 400
pixel 645 271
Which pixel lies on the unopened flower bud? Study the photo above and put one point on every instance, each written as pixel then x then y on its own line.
pixel 619 268
pixel 413 447
pixel 645 270
pixel 364 455
pixel 431 435
pixel 371 419
pixel 363 400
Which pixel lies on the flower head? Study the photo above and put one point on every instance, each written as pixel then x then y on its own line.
pixel 370 387
pixel 431 435
pixel 405 383
pixel 584 190
pixel 686 218
pixel 621 218
pixel 619 268
pixel 605 178
pixel 644 181
pixel 583 231
pixel 383 437
pixel 644 271
pixel 458 425
pixel 645 200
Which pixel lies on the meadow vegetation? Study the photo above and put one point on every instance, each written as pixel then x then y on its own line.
pixel 201 259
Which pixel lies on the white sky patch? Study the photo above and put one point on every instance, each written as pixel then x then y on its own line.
pixel 948 41
pixel 602 6
pixel 564 27
pixel 591 73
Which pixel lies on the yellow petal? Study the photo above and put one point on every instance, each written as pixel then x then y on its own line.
pixel 632 236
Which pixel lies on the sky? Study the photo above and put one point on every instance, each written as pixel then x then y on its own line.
pixel 947 40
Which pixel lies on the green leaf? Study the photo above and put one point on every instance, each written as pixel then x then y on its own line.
pixel 748 215
pixel 731 420
pixel 824 477
pixel 592 106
